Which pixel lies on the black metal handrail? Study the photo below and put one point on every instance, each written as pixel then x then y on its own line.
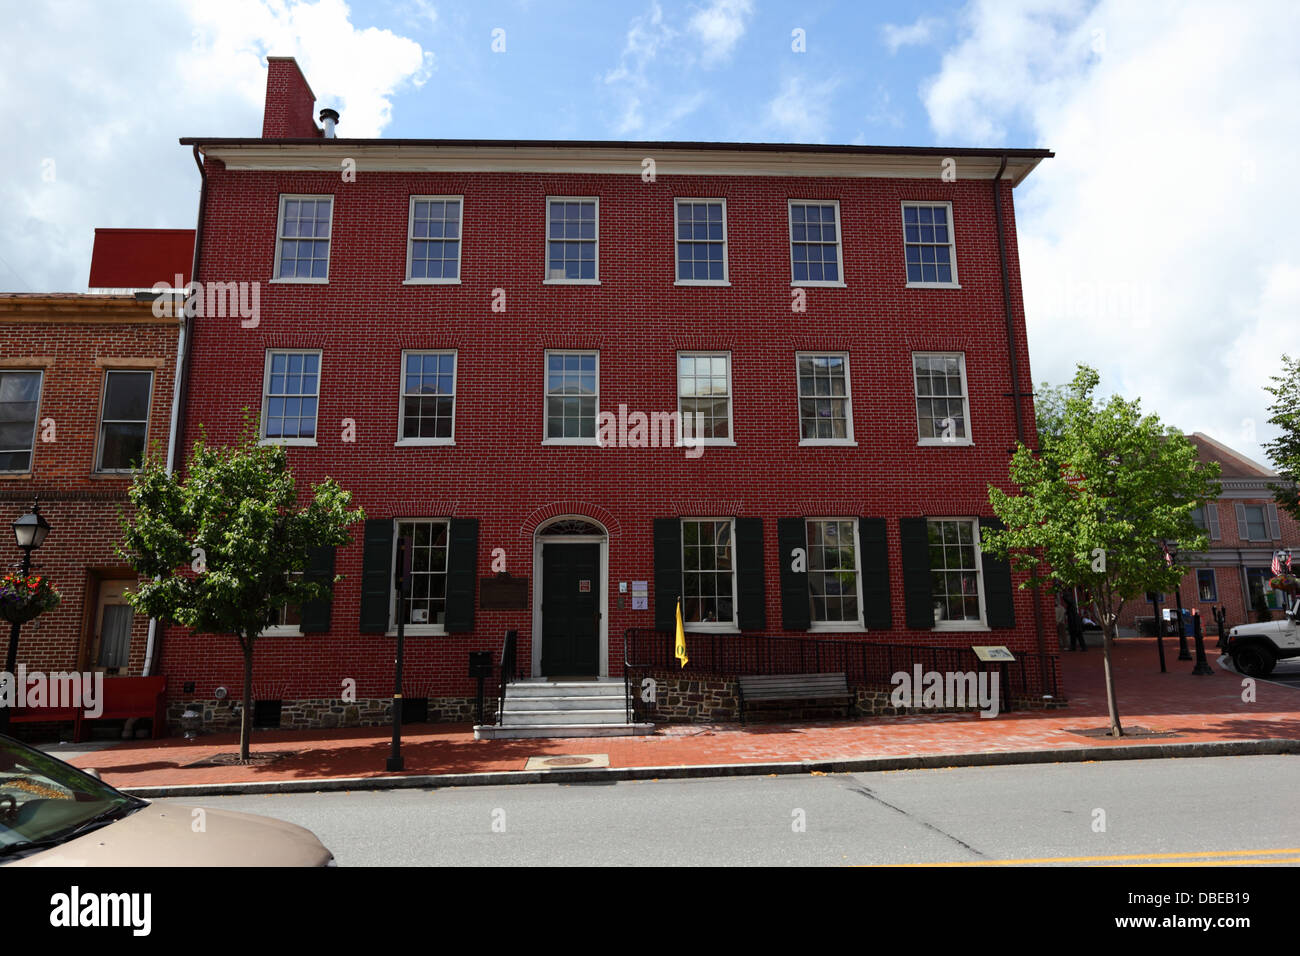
pixel 509 670
pixel 863 664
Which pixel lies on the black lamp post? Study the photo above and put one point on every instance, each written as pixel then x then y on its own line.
pixel 402 584
pixel 1171 555
pixel 29 532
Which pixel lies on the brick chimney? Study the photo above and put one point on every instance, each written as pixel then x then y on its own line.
pixel 289 101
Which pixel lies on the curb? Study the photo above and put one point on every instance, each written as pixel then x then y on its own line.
pixel 1212 748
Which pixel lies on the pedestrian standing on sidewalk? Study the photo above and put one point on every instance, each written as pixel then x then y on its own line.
pixel 1074 624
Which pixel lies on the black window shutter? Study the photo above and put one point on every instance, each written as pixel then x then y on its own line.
pixel 914 538
pixel 462 574
pixel 873 564
pixel 999 596
pixel 750 585
pixel 376 575
pixel 320 569
pixel 668 572
pixel 792 535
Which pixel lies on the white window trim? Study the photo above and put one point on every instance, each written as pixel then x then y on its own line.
pixel 726 266
pixel 983 623
pixel 410 240
pixel 839 243
pixel 851 440
pixel 401 400
pixel 965 383
pixel 279 229
pixel 36 422
pixel 952 244
pixel 696 441
pixel 266 387
pixel 546 356
pixel 546 239
pixel 413 630
pixel 839 626
pixel 99 430
pixel 712 627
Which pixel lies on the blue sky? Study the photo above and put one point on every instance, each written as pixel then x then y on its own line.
pixel 1156 246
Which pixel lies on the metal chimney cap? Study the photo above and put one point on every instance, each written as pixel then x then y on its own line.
pixel 329 114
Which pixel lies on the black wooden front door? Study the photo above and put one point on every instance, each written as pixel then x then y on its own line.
pixel 570 610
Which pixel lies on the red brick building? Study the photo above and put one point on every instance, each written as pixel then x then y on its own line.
pixel 86 386
pixel 1245 528
pixel 443 323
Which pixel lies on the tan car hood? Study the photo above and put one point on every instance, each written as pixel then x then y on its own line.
pixel 159 835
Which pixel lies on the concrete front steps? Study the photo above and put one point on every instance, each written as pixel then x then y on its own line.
pixel 546 708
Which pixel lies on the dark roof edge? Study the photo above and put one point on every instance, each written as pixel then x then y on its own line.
pixel 991 152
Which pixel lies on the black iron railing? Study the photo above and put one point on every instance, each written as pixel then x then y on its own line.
pixel 509 670
pixel 863 664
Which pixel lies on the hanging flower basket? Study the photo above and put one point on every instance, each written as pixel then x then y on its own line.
pixel 24 598
pixel 1285 582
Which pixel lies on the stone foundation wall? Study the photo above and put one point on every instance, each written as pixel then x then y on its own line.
pixel 324 713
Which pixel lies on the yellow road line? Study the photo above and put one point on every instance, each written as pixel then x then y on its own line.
pixel 1108 859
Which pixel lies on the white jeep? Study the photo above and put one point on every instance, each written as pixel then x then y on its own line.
pixel 1256 648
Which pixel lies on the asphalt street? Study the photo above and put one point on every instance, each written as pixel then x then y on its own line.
pixel 1216 811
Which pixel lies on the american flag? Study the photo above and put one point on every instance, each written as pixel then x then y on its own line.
pixel 1279 557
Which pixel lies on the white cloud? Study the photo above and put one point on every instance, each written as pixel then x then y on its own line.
pixel 108 114
pixel 719 27
pixel 1157 245
pixel 801 110
pixel 914 34
pixel 632 85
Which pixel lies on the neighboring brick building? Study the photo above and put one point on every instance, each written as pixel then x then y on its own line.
pixel 1245 528
pixel 86 384
pixel 453 384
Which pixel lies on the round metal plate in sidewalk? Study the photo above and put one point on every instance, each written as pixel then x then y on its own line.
pixel 567 762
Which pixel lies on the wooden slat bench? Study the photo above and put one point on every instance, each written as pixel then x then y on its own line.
pixel 126 697
pixel 45 715
pixel 778 687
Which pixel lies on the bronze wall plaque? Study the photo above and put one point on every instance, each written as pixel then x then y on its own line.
pixel 503 593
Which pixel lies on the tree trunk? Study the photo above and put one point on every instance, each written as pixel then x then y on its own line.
pixel 246 716
pixel 1107 642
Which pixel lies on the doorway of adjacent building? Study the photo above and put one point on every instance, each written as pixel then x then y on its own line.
pixel 110 645
pixel 569 601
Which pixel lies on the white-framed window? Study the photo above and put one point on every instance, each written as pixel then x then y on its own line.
pixel 701 244
pixel 815 250
pixel 929 247
pixel 573 239
pixel 708 574
pixel 956 578
pixel 1256 523
pixel 124 419
pixel 427 415
pixel 433 235
pixel 288 619
pixel 942 405
pixel 704 397
pixel 289 396
pixel 572 397
pixel 834 579
pixel 20 400
pixel 825 400
pixel 302 239
pixel 426 556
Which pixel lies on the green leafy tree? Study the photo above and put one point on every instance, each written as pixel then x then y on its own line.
pixel 1093 509
pixel 224 548
pixel 1049 410
pixel 1284 451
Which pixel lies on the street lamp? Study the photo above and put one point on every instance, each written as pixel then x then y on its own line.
pixel 29 532
pixel 1171 551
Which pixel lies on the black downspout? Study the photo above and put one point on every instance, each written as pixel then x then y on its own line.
pixel 1015 392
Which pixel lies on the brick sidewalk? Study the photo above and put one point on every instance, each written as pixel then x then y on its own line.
pixel 1196 709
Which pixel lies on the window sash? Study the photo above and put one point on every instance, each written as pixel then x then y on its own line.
pixel 704 246
pixel 441 401
pixel 447 242
pixel 804 242
pixel 278 400
pixel 708 394
pixel 121 429
pixel 16 455
pixel 1206 585
pixel 935 402
pixel 834 584
pixel 1256 523
pixel 708 587
pixel 956 572
pixel 427 556
pixel 571 403
pixel 819 402
pixel 926 255
pixel 294 235
pixel 572 240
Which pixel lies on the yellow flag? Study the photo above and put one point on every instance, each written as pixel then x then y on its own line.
pixel 680 650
